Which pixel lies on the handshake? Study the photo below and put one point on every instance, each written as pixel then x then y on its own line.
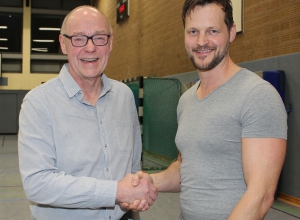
pixel 136 192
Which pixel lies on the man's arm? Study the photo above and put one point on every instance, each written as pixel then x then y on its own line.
pixel 262 160
pixel 169 179
pixel 45 184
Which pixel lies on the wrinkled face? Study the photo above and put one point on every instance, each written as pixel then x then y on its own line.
pixel 89 61
pixel 207 37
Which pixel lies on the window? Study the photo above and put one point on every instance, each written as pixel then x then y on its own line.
pixel 11 27
pixel 46 21
pixel 10 32
pixel 11 3
pixel 67 5
pixel 45 30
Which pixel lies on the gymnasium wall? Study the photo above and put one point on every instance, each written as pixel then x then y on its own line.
pixel 151 43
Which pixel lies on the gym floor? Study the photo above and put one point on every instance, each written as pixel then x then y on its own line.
pixel 14 205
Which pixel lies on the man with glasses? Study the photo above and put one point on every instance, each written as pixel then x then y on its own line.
pixel 79 137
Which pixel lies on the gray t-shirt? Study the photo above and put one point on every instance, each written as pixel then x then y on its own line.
pixel 209 139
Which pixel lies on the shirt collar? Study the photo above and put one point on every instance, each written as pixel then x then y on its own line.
pixel 72 88
pixel 107 85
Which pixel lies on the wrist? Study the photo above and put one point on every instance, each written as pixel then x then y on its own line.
pixel 120 193
pixel 154 180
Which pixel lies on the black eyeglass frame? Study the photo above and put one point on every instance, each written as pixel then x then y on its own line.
pixel 88 37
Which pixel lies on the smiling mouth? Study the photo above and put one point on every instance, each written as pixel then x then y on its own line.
pixel 202 50
pixel 86 60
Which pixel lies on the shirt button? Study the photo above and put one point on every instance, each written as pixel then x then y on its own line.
pixel 109 217
pixel 107 169
pixel 100 122
pixel 105 145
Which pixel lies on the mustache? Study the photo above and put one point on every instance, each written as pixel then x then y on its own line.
pixel 203 48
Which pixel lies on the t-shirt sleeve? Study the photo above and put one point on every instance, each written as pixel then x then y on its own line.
pixel 263 114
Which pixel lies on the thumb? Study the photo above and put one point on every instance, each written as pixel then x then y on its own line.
pixel 135 180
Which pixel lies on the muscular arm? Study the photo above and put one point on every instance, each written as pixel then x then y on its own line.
pixel 262 160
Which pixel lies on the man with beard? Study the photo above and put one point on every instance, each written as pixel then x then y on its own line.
pixel 232 127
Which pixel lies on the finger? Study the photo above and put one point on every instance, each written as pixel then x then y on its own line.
pixel 146 207
pixel 136 178
pixel 153 192
pixel 149 201
pixel 142 206
pixel 135 205
pixel 124 205
pixel 153 188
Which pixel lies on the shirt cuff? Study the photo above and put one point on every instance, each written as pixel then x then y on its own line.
pixel 105 193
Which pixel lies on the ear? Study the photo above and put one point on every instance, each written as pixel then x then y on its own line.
pixel 62 44
pixel 111 42
pixel 232 33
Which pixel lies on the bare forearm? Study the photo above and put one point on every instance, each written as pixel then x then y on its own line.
pixel 262 162
pixel 252 206
pixel 169 179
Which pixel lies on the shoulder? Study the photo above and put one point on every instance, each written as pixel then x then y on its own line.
pixel 189 92
pixel 246 83
pixel 119 86
pixel 248 79
pixel 42 90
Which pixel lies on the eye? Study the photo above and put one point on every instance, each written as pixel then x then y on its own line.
pixel 192 32
pixel 99 37
pixel 78 39
pixel 213 32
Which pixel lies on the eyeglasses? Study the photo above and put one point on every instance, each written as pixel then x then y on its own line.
pixel 81 40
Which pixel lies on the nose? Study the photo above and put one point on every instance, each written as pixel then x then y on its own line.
pixel 90 47
pixel 202 39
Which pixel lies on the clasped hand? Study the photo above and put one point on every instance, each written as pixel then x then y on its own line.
pixel 136 192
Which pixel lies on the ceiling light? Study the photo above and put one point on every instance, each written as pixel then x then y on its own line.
pixel 3 48
pixel 3 27
pixel 3 39
pixel 40 49
pixel 43 41
pixel 49 29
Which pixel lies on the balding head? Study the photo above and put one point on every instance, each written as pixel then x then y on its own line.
pixel 82 11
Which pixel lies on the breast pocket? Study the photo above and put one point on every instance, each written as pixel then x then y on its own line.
pixel 124 131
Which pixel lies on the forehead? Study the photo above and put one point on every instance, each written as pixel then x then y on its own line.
pixel 208 15
pixel 87 20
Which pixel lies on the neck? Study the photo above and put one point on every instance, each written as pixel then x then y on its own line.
pixel 211 80
pixel 91 88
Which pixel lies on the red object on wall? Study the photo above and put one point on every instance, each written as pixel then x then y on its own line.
pixel 122 8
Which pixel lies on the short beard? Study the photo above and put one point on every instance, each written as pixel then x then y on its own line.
pixel 216 60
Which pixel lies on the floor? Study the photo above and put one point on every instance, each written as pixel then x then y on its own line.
pixel 14 205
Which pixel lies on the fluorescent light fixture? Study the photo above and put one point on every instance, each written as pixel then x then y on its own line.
pixel 3 48
pixel 49 29
pixel 40 49
pixel 3 27
pixel 3 39
pixel 43 41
